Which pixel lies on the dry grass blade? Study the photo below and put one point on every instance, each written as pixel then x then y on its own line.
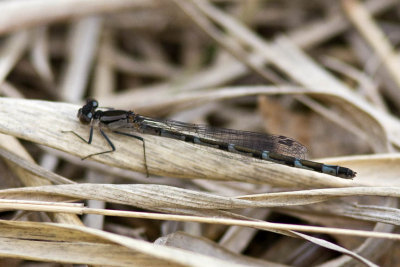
pixel 143 196
pixel 267 226
pixel 159 197
pixel 66 239
pixel 339 249
pixel 341 208
pixel 362 19
pixel 12 51
pixel 17 115
pixel 169 199
pixel 21 14
pixel 317 32
pixel 33 168
pixel 195 243
pixel 31 205
pixel 74 253
pixel 317 195
pixel 27 174
pixel 371 213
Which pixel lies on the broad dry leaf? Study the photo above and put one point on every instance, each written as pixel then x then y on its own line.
pixel 17 115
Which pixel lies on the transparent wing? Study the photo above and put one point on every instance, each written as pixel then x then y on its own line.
pixel 257 141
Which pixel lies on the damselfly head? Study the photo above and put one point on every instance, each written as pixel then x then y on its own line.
pixel 85 114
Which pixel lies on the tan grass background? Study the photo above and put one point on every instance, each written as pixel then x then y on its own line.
pixel 325 73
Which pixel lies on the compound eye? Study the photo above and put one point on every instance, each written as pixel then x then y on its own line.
pixel 95 104
pixel 84 118
pixel 92 103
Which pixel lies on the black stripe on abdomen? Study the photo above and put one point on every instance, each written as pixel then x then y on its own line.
pixel 265 155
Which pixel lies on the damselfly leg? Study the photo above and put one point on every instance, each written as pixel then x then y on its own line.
pixel 110 143
pixel 89 141
pixel 144 148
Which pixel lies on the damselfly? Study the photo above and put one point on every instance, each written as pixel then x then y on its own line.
pixel 275 148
